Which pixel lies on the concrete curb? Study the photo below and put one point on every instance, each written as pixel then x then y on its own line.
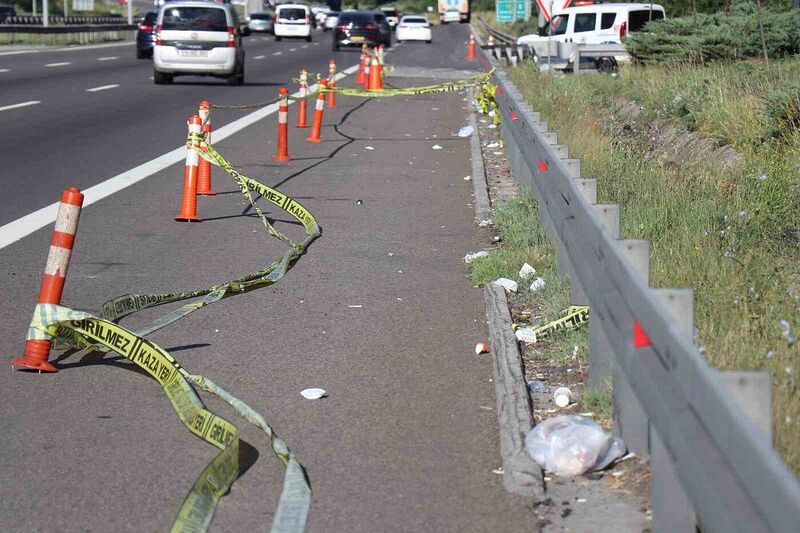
pixel 480 187
pixel 521 475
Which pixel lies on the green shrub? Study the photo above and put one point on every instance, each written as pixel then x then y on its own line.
pixel 721 36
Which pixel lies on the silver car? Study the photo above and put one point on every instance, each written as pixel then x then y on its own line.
pixel 261 22
pixel 197 37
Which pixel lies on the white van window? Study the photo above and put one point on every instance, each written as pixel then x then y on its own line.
pixel 637 19
pixel 558 25
pixel 607 21
pixel 292 13
pixel 585 22
pixel 195 19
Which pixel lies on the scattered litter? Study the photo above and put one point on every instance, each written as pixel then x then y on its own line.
pixel 399 299
pixel 618 473
pixel 580 500
pixel 537 284
pixel 359 201
pixel 486 408
pixel 493 145
pixel 508 284
pixel 466 131
pixel 469 258
pixel 482 121
pixel 481 347
pixel 526 271
pixel 313 394
pixel 762 177
pixel 538 386
pixel 496 238
pixel 497 153
pixel 499 471
pixel 525 335
pixel 467 178
pixel 391 254
pixel 436 147
pixel 484 223
pixel 571 445
pixel 492 126
pixel 626 457
pixel 491 113
pixel 369 148
pixel 562 396
pixel 434 109
pixel 355 306
pixel 590 414
pixel 547 478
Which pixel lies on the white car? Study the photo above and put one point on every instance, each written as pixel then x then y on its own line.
pixel 292 20
pixel 200 38
pixel 451 14
pixel 331 20
pixel 591 24
pixel 414 28
pixel 392 16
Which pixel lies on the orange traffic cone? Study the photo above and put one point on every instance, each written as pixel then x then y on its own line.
pixel 301 104
pixel 189 199
pixel 316 129
pixel 375 81
pixel 361 78
pixel 283 127
pixel 37 346
pixel 471 50
pixel 332 82
pixel 204 169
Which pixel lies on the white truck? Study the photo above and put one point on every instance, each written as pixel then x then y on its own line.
pixel 453 11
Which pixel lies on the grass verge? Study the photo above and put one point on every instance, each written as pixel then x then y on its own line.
pixel 733 234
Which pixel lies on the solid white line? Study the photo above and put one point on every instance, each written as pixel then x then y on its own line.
pixel 277 53
pixel 74 48
pixel 22 104
pixel 102 88
pixel 259 57
pixel 304 46
pixel 109 58
pixel 63 63
pixel 22 227
pixel 4 70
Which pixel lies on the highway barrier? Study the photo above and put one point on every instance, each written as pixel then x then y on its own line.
pixel 471 48
pixel 375 77
pixel 302 113
pixel 37 345
pixel 362 62
pixel 190 170
pixel 711 467
pixel 332 82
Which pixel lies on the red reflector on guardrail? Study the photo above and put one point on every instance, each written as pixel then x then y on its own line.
pixel 542 166
pixel 640 338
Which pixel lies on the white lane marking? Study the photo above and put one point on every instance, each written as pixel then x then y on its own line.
pixel 102 88
pixel 21 104
pixel 109 58
pixel 24 226
pixel 277 53
pixel 292 49
pixel 304 46
pixel 67 49
pixel 259 57
pixel 314 44
pixel 62 64
pixel 265 38
pixel 4 70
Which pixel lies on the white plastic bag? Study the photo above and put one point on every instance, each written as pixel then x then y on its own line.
pixel 508 284
pixel 570 445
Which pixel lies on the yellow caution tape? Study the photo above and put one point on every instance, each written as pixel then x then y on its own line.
pixel 69 328
pixel 217 477
pixel 458 85
pixel 572 317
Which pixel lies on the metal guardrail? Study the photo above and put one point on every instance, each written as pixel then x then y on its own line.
pixel 85 28
pixel 709 462
pixel 27 20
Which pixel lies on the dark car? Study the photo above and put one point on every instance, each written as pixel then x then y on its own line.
pixel 7 10
pixel 146 35
pixel 356 28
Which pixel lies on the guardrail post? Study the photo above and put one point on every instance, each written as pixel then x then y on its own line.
pixel 753 390
pixel 588 189
pixel 672 510
pixel 630 421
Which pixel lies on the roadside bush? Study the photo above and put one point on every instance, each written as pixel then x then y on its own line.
pixel 717 37
pixel 782 112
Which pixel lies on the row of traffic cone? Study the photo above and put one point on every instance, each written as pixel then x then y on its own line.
pixel 370 68
pixel 197 170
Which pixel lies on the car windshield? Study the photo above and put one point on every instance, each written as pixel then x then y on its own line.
pixel 347 18
pixel 260 16
pixel 194 18
pixel 292 13
pixel 150 18
pixel 415 20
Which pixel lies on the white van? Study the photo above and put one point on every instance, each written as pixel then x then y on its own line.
pixel 292 20
pixel 200 38
pixel 592 24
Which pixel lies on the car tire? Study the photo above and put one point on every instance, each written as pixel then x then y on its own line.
pixel 335 46
pixel 237 78
pixel 278 38
pixel 162 78
pixel 308 38
pixel 142 54
pixel 428 41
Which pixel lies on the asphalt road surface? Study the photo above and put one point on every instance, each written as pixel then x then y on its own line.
pixel 379 312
